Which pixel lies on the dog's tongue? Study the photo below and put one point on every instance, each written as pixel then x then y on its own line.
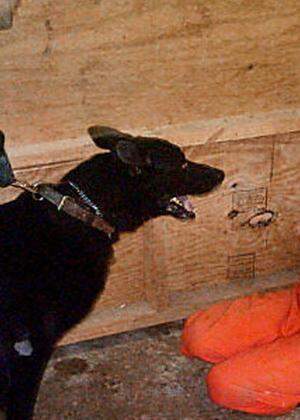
pixel 186 203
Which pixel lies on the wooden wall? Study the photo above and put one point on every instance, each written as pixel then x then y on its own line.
pixel 221 79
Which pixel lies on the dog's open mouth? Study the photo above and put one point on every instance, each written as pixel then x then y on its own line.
pixel 181 207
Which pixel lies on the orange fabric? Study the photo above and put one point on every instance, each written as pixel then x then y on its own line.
pixel 256 341
pixel 265 380
pixel 231 327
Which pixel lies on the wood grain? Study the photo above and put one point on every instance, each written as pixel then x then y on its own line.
pixel 106 322
pixel 125 283
pixel 145 64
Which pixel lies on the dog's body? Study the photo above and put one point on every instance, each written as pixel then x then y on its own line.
pixel 53 266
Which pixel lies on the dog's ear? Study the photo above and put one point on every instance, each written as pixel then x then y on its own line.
pixel 127 148
pixel 132 152
pixel 106 137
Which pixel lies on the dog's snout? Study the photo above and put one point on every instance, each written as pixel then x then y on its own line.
pixel 220 175
pixel 203 178
pixel 213 175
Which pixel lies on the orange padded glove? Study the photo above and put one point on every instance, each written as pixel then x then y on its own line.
pixel 256 341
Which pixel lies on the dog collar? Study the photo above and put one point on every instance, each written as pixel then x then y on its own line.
pixel 68 205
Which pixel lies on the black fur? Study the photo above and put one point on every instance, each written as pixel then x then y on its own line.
pixel 53 267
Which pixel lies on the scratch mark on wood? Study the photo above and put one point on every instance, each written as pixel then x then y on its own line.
pixel 215 136
pixel 272 161
pixel 49 29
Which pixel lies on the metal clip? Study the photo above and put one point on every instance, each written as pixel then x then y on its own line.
pixel 29 188
pixel 35 195
pixel 62 202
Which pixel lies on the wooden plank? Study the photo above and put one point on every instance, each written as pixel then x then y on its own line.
pixel 284 197
pixel 101 322
pixel 230 128
pixel 203 251
pixel 155 243
pixel 68 64
pixel 125 283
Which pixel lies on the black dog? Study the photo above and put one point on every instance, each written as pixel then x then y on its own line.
pixel 53 264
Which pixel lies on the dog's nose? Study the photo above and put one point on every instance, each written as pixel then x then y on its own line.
pixel 203 178
pixel 214 175
pixel 220 175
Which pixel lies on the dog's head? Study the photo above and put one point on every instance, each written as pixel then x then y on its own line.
pixel 141 178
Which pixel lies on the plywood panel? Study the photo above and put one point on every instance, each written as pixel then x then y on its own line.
pixel 208 249
pixel 67 64
pixel 102 322
pixel 285 174
pixel 125 283
pixel 284 197
pixel 229 129
pixel 218 249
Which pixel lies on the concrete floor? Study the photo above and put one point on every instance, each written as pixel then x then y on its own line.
pixel 134 376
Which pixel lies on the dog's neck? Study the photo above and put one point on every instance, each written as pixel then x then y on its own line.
pixel 74 202
pixel 111 189
pixel 95 217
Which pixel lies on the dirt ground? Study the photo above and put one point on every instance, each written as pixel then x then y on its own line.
pixel 134 376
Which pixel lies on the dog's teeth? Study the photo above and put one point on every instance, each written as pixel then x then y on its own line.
pixel 175 200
